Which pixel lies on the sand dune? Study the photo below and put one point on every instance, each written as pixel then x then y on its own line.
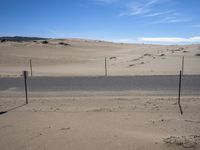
pixel 78 57
pixel 91 112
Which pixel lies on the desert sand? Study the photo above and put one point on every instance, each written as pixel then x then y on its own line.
pixel 97 116
pixel 76 57
pixel 99 120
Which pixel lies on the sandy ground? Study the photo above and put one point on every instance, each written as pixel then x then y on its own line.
pixel 98 120
pixel 86 58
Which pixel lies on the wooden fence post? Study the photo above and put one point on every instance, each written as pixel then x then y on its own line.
pixel 106 73
pixel 179 93
pixel 25 74
pixel 31 68
pixel 183 60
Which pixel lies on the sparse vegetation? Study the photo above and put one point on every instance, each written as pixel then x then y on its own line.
pixel 181 48
pixel 113 58
pixel 131 65
pixel 45 42
pixel 162 55
pixel 198 54
pixel 183 141
pixel 147 54
pixel 3 40
pixel 65 44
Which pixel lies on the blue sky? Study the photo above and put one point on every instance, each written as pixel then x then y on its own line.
pixel 138 21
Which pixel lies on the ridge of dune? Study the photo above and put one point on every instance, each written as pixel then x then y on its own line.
pixel 66 57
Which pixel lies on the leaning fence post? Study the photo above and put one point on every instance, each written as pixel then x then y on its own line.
pixel 25 74
pixel 179 93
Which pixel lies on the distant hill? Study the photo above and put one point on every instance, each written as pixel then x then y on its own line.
pixel 21 39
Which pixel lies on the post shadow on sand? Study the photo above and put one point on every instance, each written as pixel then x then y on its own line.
pixel 25 74
pixel 11 109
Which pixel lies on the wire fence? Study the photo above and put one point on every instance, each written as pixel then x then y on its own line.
pixel 44 91
pixel 114 74
pixel 146 64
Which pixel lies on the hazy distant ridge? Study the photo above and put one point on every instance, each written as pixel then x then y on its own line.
pixel 21 39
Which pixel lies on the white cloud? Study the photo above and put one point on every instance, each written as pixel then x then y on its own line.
pixel 150 9
pixel 122 41
pixel 171 40
pixel 158 14
pixel 138 8
pixel 171 19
